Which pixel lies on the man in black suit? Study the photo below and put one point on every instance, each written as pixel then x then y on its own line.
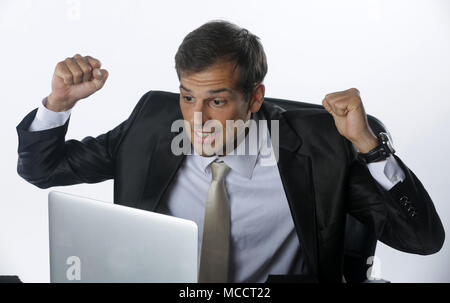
pixel 258 220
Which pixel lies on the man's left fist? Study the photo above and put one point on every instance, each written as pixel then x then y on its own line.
pixel 350 118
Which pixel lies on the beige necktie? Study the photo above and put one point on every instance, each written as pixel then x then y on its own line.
pixel 216 229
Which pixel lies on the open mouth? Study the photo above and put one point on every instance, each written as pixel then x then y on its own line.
pixel 203 137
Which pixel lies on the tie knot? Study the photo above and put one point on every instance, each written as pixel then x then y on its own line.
pixel 219 170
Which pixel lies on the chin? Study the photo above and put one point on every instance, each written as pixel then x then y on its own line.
pixel 208 149
pixel 205 150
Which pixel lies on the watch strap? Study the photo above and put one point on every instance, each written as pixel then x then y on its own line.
pixel 380 152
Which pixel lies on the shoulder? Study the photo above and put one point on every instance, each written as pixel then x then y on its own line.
pixel 307 119
pixel 312 118
pixel 158 99
pixel 158 104
pixel 315 127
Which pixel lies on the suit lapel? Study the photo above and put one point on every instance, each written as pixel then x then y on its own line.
pixel 295 170
pixel 162 168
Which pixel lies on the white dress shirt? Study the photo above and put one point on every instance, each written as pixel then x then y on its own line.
pixel 263 236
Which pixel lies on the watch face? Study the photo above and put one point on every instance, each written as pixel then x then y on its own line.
pixel 384 138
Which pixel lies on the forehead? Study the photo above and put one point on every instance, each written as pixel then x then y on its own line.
pixel 220 75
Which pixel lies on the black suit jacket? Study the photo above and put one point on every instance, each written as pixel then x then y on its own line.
pixel 322 176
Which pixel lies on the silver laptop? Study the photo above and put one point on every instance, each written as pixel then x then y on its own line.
pixel 94 241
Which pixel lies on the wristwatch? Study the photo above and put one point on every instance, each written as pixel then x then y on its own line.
pixel 380 152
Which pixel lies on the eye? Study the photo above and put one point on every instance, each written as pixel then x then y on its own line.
pixel 187 98
pixel 218 102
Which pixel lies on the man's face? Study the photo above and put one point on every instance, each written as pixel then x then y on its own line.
pixel 213 94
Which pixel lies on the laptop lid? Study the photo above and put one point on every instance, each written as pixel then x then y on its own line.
pixel 94 241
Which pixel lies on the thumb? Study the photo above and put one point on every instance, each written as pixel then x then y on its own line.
pixel 100 76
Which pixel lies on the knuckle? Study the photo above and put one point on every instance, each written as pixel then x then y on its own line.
pixel 68 78
pixel 59 65
pixel 87 68
pixel 329 98
pixel 77 74
pixel 354 90
pixel 355 98
pixel 94 60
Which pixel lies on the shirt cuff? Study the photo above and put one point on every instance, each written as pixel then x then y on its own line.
pixel 46 119
pixel 387 172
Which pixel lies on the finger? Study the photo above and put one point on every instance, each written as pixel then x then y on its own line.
pixel 76 71
pixel 351 101
pixel 354 90
pixel 346 92
pixel 331 97
pixel 327 106
pixel 86 68
pixel 341 107
pixel 95 63
pixel 100 76
pixel 62 71
pixel 335 106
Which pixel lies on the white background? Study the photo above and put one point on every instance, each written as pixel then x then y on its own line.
pixel 397 53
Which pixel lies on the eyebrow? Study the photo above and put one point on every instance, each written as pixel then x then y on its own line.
pixel 213 91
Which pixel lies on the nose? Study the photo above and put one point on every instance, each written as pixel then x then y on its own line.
pixel 200 115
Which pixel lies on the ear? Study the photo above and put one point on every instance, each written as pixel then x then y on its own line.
pixel 257 97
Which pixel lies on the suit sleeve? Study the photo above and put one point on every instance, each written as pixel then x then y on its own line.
pixel 403 217
pixel 46 159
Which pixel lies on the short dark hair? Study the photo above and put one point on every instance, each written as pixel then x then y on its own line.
pixel 222 40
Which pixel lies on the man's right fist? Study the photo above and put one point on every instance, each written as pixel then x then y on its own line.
pixel 74 79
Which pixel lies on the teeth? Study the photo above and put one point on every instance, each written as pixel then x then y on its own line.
pixel 204 135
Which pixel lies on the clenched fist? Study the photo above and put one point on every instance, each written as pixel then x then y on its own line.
pixel 350 118
pixel 74 79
